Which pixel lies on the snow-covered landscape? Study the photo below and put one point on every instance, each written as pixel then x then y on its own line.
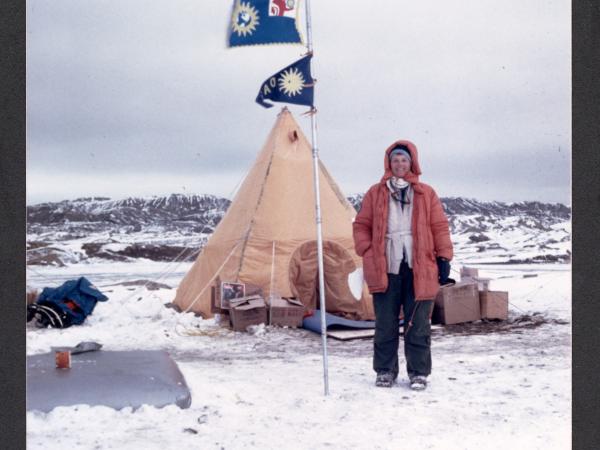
pixel 92 230
pixel 142 125
pixel 494 384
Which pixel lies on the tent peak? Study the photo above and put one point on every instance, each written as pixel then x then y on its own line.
pixel 284 110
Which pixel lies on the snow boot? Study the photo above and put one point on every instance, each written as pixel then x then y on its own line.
pixel 385 379
pixel 418 383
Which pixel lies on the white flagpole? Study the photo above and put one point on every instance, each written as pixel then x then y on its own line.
pixel 315 153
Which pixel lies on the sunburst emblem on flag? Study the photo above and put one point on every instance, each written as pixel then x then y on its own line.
pixel 291 82
pixel 245 19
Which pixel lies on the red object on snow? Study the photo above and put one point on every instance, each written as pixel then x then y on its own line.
pixel 63 359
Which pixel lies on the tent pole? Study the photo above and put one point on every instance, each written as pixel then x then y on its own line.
pixel 271 295
pixel 315 153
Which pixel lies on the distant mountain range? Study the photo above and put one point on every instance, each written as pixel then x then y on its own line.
pixel 163 228
pixel 198 211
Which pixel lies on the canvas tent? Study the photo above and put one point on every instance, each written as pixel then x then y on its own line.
pixel 268 235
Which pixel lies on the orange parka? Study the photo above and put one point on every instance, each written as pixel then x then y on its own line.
pixel 430 231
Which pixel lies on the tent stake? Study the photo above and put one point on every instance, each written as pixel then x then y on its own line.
pixel 315 154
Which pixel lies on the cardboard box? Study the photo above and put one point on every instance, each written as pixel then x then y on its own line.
pixel 494 304
pixel 229 291
pixel 215 301
pixel 215 296
pixel 286 312
pixel 457 304
pixel 471 275
pixel 246 311
pixel 483 284
pixel 468 272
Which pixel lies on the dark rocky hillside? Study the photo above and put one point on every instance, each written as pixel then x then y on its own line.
pixel 174 226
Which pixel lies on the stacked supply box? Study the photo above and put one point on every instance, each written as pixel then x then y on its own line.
pixel 494 304
pixel 246 311
pixel 457 304
pixel 217 306
pixel 470 274
pixel 285 312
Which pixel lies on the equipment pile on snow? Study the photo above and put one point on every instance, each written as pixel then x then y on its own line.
pixel 469 300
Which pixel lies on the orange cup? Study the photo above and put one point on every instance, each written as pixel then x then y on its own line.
pixel 63 359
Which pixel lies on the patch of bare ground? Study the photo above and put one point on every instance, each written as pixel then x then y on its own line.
pixel 288 343
pixel 515 324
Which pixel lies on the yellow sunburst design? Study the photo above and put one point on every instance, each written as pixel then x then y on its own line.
pixel 291 82
pixel 245 19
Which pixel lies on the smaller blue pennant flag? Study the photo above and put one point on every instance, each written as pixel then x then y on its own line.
pixel 293 84
pixel 255 22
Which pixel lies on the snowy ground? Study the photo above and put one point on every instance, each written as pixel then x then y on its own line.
pixel 490 388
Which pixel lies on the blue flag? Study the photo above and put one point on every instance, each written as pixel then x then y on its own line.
pixel 293 84
pixel 256 22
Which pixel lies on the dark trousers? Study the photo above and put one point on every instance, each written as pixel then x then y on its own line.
pixel 417 337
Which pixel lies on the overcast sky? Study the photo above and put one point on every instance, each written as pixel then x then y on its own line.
pixel 140 97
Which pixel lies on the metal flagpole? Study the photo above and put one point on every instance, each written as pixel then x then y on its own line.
pixel 315 153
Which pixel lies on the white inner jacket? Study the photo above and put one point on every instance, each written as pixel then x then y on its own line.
pixel 398 238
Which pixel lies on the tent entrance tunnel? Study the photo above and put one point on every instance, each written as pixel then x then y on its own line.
pixel 304 276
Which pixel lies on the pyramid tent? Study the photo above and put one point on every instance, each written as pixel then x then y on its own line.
pixel 267 238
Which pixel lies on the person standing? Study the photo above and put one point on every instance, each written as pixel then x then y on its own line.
pixel 403 237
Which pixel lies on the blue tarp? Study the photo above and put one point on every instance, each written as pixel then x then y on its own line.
pixel 313 323
pixel 74 300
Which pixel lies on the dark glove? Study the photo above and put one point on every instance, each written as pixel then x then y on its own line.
pixel 443 270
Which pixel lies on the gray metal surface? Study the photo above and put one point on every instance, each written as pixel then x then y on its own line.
pixel 114 379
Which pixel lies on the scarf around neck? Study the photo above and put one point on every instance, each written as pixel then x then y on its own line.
pixel 398 183
pixel 398 188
